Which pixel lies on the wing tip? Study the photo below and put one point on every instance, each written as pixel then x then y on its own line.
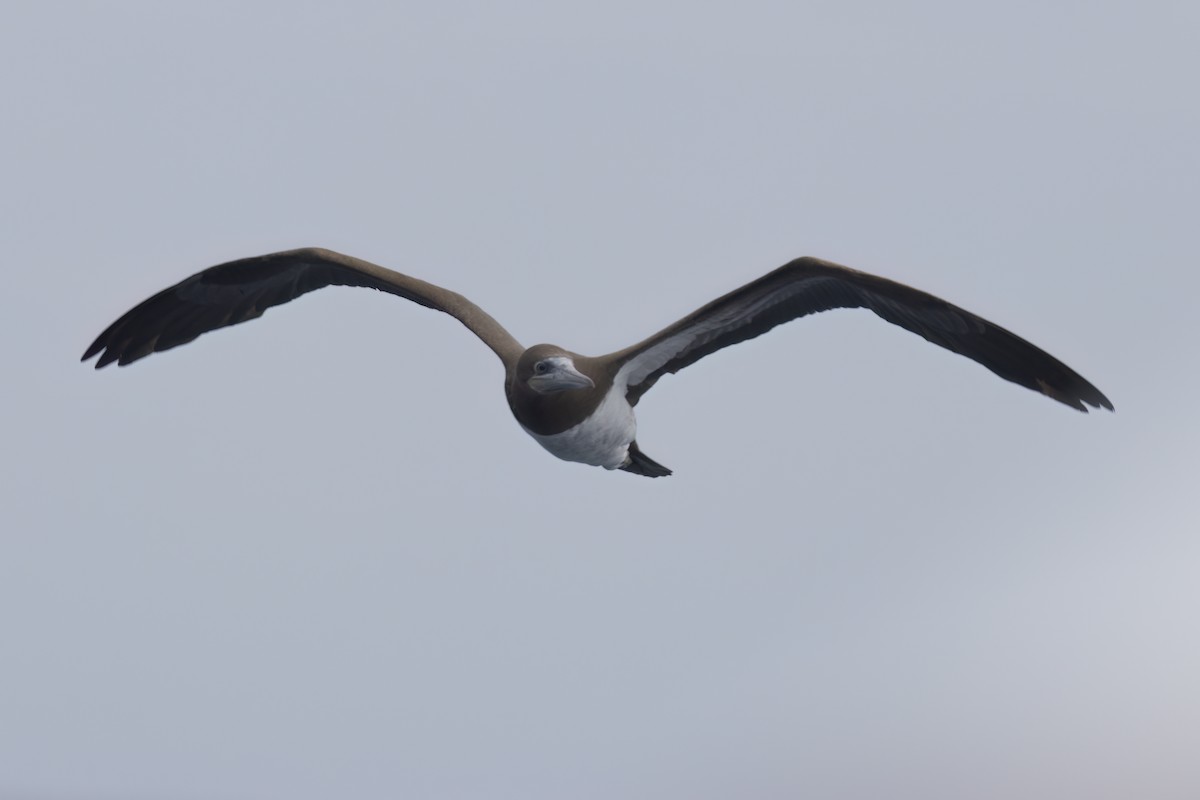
pixel 1078 398
pixel 91 353
pixel 94 348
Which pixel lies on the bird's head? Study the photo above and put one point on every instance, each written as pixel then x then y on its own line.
pixel 547 369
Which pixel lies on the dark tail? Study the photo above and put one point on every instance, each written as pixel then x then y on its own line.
pixel 639 464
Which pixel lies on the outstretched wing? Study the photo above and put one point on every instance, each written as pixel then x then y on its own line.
pixel 810 285
pixel 242 290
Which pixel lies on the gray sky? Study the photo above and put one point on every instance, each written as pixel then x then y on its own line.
pixel 315 557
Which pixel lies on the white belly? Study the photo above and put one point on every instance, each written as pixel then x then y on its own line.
pixel 602 439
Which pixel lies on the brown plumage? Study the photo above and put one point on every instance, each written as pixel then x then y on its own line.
pixel 569 402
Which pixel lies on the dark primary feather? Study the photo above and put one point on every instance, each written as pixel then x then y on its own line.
pixel 242 290
pixel 809 285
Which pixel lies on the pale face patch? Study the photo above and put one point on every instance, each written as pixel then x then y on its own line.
pixel 557 374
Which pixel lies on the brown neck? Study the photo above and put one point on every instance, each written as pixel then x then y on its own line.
pixel 547 414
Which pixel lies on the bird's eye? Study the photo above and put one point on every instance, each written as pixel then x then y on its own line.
pixel 541 368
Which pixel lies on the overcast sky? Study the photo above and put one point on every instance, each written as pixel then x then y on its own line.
pixel 314 556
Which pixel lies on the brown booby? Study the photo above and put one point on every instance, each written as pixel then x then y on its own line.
pixel 580 408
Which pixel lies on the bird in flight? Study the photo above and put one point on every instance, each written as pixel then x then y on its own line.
pixel 580 408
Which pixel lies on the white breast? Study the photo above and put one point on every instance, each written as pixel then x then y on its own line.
pixel 602 439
